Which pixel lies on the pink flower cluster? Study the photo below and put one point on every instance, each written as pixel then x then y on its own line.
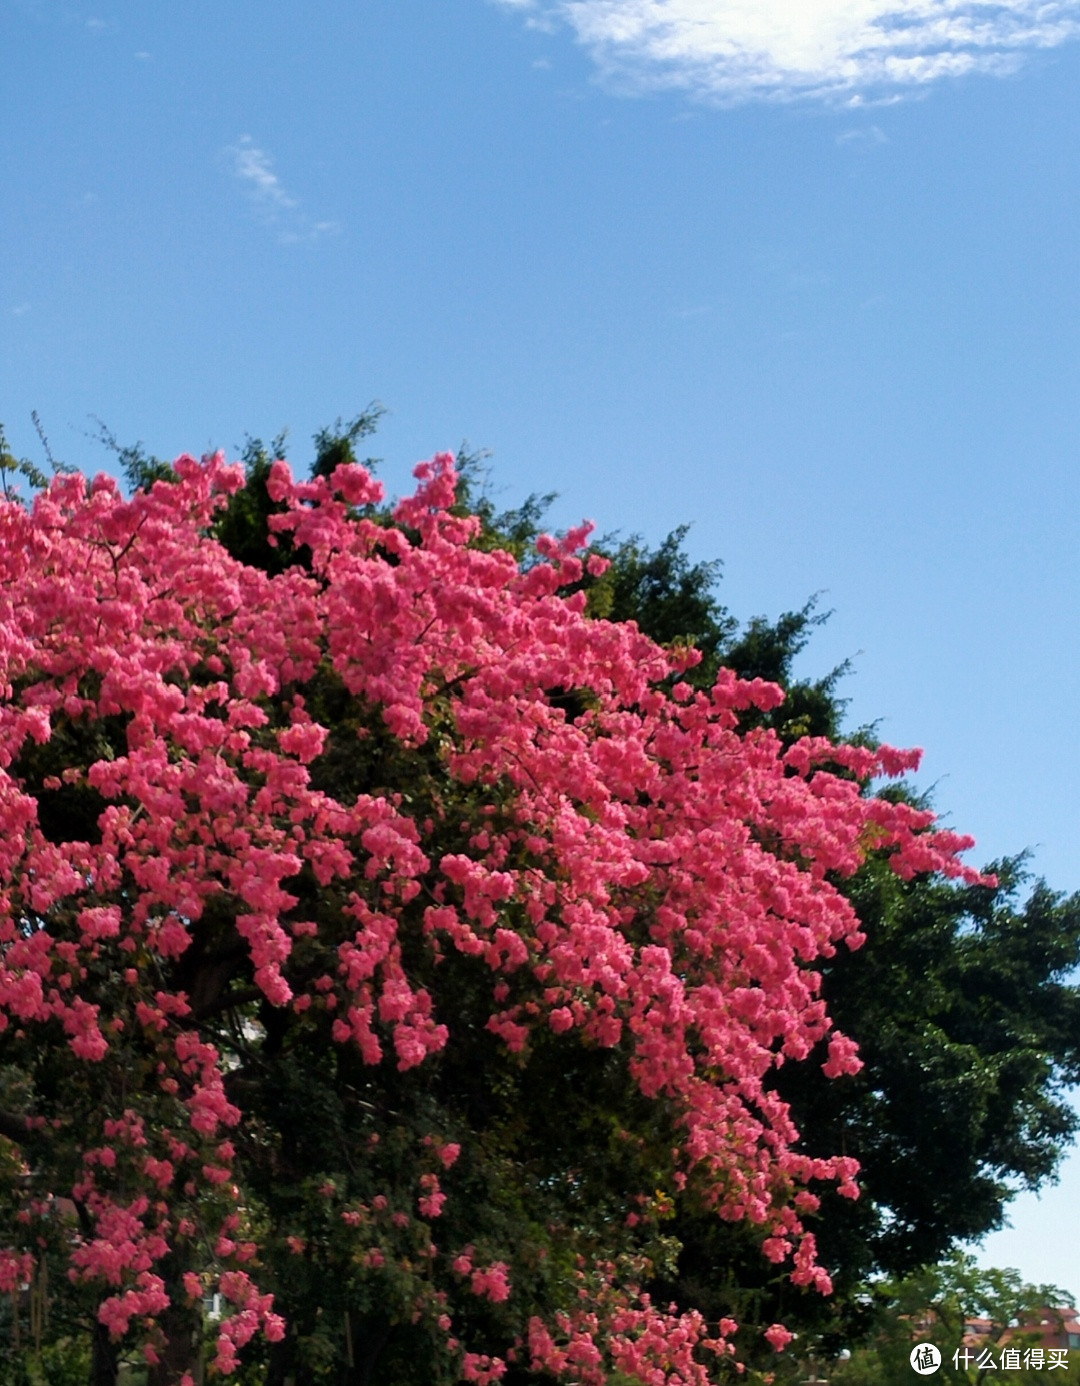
pixel 641 874
pixel 253 1312
pixel 621 1330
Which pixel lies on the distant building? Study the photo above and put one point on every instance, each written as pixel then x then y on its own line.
pixel 1041 1327
pixel 1057 1328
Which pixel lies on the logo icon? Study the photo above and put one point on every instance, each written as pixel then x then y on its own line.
pixel 925 1358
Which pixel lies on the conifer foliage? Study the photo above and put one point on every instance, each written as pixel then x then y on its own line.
pixel 387 947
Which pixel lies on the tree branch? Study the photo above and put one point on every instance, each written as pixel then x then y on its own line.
pixel 226 1002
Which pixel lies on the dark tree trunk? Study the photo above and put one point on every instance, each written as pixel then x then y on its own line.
pixel 365 1339
pixel 182 1351
pixel 105 1362
pixel 284 1368
pixel 277 1373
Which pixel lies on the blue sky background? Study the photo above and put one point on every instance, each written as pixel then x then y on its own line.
pixel 796 273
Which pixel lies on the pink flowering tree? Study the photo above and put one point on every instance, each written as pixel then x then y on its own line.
pixel 387 947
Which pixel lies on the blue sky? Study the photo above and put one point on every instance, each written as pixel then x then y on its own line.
pixel 803 273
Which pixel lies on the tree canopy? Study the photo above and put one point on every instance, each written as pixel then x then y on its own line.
pixel 393 949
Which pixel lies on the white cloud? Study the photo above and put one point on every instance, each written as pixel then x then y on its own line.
pixel 870 134
pixel 737 49
pixel 255 169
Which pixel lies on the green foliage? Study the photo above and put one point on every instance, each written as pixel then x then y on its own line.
pixel 336 445
pixel 12 466
pixel 970 1035
pixel 139 468
pixel 931 1305
pixel 669 597
pixel 242 527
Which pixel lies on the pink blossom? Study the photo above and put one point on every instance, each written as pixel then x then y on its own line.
pixel 491 1281
pixel 778 1336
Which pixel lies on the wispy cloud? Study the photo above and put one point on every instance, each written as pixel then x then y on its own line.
pixel 734 50
pixel 255 169
pixel 867 135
